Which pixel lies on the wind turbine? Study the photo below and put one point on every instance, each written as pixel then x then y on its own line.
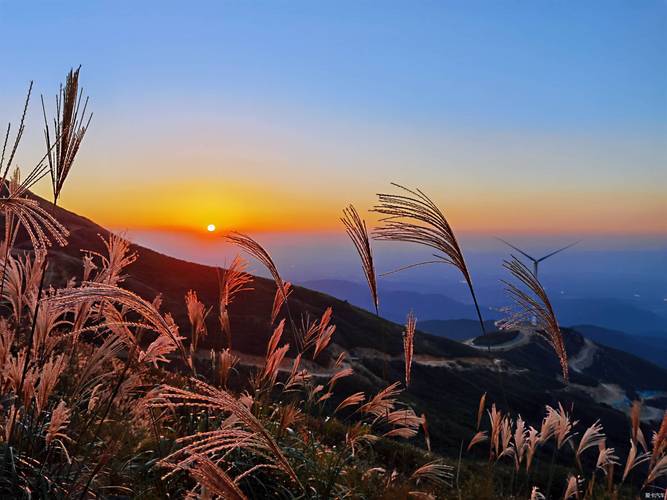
pixel 536 262
pixel 533 259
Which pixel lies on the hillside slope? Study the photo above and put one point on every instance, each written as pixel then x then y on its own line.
pixel 448 377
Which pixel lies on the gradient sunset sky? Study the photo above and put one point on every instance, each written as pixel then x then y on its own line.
pixel 520 116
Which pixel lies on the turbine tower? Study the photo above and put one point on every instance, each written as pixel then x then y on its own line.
pixel 533 259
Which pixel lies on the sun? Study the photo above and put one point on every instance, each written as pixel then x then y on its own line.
pixel 210 228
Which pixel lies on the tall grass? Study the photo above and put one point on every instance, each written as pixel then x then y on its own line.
pixel 69 127
pixel 533 302
pixel 412 217
pixel 356 229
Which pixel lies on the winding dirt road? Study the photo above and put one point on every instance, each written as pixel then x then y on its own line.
pixel 584 358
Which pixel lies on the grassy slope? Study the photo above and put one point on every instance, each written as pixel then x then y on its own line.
pixel 448 397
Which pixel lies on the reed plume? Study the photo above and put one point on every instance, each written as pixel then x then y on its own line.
pixel 231 281
pixel 274 356
pixel 495 421
pixel 15 204
pixel 532 443
pixel 635 417
pixel 42 228
pixel 606 457
pixel 118 256
pixel 352 400
pixel 70 124
pixel 37 172
pixel 630 460
pixel 657 471
pixel 406 423
pixel 88 292
pixel 5 167
pixel 209 397
pixel 520 444
pixel 634 459
pixel 60 418
pixel 659 441
pixel 197 316
pixel 408 344
pixel 214 479
pixel 480 409
pixel 592 437
pixel 157 351
pixel 505 438
pixel 256 250
pixel 572 488
pixel 20 284
pixel 296 377
pixel 358 434
pixel 383 402
pixel 434 472
pixel 564 425
pixel 535 303
pixel 234 280
pixel 342 373
pixel 317 333
pixel 479 437
pixel 535 494
pixel 226 363
pixel 323 337
pixel 415 218
pixel 427 437
pixel 279 300
pixel 48 379
pixel 356 229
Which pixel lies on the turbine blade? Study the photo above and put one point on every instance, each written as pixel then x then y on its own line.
pixel 558 251
pixel 517 249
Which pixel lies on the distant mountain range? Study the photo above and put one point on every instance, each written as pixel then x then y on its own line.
pixel 395 304
pixel 455 329
pixel 652 348
pixel 612 314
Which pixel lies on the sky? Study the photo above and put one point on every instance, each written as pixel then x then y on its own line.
pixel 527 117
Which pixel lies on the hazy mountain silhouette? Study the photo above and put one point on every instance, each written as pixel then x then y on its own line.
pixel 651 348
pixel 395 304
pixel 455 329
pixel 609 313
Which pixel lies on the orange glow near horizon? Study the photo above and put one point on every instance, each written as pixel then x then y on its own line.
pixel 190 207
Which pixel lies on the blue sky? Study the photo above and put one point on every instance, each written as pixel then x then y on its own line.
pixel 521 104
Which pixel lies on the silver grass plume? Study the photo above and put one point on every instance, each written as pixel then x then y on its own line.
pixel 252 247
pixel 68 298
pixel 408 345
pixel 415 218
pixel 17 140
pixel 69 127
pixel 356 229
pixel 535 303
